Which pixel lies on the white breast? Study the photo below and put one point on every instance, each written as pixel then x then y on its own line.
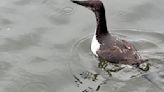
pixel 95 45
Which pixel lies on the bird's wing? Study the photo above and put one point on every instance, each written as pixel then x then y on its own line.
pixel 121 52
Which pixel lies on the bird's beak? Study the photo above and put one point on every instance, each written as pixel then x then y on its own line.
pixel 74 1
pixel 83 3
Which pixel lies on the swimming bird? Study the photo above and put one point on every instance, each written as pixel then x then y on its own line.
pixel 106 46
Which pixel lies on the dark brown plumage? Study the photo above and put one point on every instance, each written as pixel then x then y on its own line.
pixel 111 48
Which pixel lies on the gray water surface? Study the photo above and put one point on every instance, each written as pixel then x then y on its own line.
pixel 43 43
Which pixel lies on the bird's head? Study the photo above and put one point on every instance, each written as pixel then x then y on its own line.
pixel 94 5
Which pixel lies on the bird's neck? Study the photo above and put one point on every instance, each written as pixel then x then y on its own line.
pixel 101 23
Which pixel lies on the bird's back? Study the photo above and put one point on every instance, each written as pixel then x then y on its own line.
pixel 118 51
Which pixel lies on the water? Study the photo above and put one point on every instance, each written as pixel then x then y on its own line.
pixel 45 43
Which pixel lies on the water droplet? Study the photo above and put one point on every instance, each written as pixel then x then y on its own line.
pixel 68 10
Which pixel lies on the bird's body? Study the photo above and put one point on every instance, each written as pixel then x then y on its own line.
pixel 115 51
pixel 106 46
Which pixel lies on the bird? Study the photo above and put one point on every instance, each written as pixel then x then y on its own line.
pixel 107 47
